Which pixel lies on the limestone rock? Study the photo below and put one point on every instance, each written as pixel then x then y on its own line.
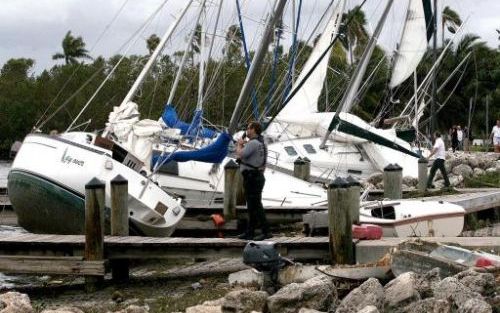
pixel 483 283
pixel 317 293
pixel 135 309
pixel 451 289
pixel 401 291
pixel 65 309
pixel 478 171
pixel 15 302
pixel 463 170
pixel 456 180
pixel 429 305
pixel 491 170
pixel 204 309
pixel 410 181
pixel 425 283
pixel 475 306
pixel 369 309
pixel 370 292
pixel 244 301
pixel 305 310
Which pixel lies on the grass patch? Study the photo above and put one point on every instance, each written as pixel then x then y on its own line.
pixel 491 180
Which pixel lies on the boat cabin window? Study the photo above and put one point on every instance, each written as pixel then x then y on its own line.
pixel 309 148
pixel 387 212
pixel 290 150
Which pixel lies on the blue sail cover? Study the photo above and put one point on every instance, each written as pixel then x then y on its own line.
pixel 171 119
pixel 213 153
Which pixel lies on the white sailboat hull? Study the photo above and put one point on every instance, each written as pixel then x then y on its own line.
pixel 47 186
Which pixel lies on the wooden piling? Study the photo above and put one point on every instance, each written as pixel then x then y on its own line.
pixel 339 223
pixel 422 174
pixel 298 165
pixel 94 228
pixel 231 187
pixel 306 169
pixel 354 194
pixel 119 223
pixel 393 181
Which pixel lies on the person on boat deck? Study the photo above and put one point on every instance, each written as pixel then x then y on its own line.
pixel 252 156
pixel 439 150
pixel 495 136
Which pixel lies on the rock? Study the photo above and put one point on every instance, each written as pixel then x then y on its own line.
pixel 439 183
pixel 473 162
pixel 204 309
pixel 117 296
pixel 64 310
pixel 305 310
pixel 369 293
pixel 426 282
pixel 429 305
pixel 15 302
pixel 410 181
pixel 318 293
pixel 483 283
pixel 196 286
pixel 244 301
pixel 369 309
pixel 215 302
pixel 135 309
pixel 456 180
pixel 249 277
pixel 478 172
pixel 475 306
pixel 451 289
pixel 400 291
pixel 463 170
pixel 375 178
pixel 491 170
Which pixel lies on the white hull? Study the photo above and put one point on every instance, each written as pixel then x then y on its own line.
pixel 415 218
pixel 55 161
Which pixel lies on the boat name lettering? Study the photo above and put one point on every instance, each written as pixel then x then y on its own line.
pixel 67 159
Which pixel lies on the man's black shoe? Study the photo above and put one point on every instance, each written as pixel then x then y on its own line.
pixel 262 237
pixel 245 236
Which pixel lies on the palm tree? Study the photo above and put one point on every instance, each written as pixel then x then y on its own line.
pixel 152 42
pixel 73 49
pixel 451 19
pixel 355 36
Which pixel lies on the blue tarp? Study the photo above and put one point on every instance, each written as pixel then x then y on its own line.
pixel 213 153
pixel 171 119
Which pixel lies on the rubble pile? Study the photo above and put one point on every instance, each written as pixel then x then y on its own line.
pixel 459 166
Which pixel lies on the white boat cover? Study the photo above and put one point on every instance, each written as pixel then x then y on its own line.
pixel 412 46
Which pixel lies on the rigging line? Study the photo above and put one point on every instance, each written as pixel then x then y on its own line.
pixel 110 74
pixel 293 55
pixel 106 28
pixel 247 58
pixel 301 83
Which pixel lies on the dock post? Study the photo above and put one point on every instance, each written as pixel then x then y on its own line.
pixel 94 228
pixel 393 181
pixel 422 174
pixel 119 223
pixel 298 165
pixel 339 223
pixel 231 186
pixel 306 170
pixel 354 194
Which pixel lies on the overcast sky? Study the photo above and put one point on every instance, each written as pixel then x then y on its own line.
pixel 35 28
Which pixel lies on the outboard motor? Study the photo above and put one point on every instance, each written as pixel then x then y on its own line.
pixel 264 257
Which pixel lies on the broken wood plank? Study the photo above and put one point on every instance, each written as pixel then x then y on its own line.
pixel 51 265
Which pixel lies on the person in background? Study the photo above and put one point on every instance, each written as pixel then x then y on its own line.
pixel 460 138
pixel 252 157
pixel 440 151
pixel 495 136
pixel 467 140
pixel 454 138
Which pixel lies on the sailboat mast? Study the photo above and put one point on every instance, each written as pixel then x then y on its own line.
pixel 434 74
pixel 202 62
pixel 154 55
pixel 184 59
pixel 254 67
pixel 352 89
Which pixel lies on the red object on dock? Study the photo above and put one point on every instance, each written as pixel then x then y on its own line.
pixel 218 223
pixel 366 231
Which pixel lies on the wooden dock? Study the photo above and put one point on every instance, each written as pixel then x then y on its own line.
pixel 66 251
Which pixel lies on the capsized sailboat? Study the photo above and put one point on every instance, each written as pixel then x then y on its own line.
pixel 47 180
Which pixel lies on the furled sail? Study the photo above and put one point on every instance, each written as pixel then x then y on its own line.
pixel 306 99
pixel 412 45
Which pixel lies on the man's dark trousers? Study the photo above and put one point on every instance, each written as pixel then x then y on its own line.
pixel 438 164
pixel 253 182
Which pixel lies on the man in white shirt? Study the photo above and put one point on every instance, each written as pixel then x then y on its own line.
pixel 460 137
pixel 439 150
pixel 495 136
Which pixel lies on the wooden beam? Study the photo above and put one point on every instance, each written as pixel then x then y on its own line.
pixel 51 265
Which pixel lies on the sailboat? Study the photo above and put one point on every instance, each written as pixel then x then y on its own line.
pixel 47 180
